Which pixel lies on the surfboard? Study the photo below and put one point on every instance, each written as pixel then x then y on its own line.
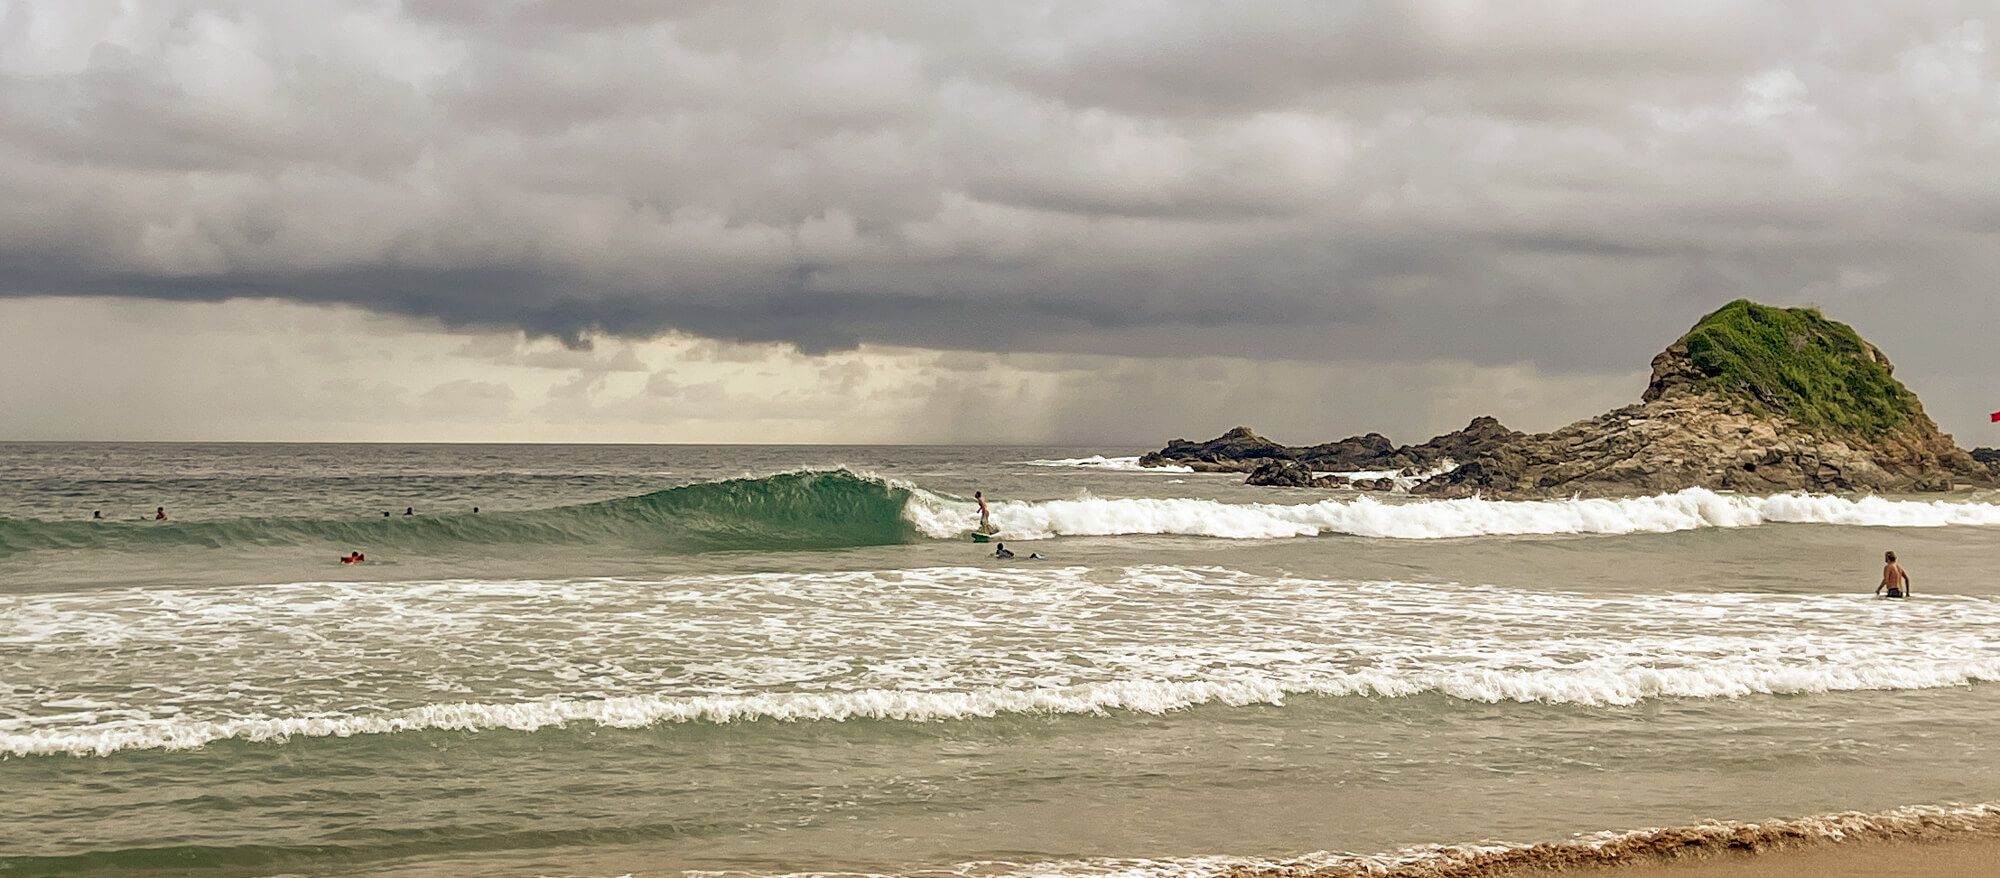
pixel 978 537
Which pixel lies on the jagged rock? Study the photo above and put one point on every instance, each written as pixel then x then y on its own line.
pixel 1485 432
pixel 1375 484
pixel 1753 399
pixel 1241 450
pixel 1291 474
pixel 1990 457
pixel 1350 454
pixel 1238 450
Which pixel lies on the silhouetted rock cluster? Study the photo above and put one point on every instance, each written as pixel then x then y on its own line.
pixel 1241 450
pixel 1753 399
pixel 1990 457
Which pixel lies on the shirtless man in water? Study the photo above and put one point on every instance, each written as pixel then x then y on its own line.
pixel 1894 578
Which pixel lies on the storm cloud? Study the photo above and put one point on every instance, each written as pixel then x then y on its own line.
pixel 1563 183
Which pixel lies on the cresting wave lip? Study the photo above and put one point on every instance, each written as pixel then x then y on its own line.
pixel 804 509
pixel 1692 509
pixel 1592 688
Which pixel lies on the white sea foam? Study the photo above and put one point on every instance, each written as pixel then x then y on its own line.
pixel 1099 461
pixel 1603 687
pixel 336 659
pixel 1403 481
pixel 1436 519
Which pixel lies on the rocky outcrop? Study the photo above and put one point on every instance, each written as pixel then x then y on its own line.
pixel 1291 474
pixel 1238 450
pixel 1241 450
pixel 1990 457
pixel 1753 399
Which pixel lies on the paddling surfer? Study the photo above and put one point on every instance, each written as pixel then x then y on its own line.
pixel 1894 577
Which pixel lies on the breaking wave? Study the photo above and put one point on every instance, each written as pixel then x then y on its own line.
pixel 1592 687
pixel 1365 516
pixel 789 511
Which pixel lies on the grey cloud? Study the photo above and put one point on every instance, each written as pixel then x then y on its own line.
pixel 1364 181
pixel 468 399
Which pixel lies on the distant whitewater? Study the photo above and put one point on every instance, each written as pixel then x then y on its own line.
pixel 1100 462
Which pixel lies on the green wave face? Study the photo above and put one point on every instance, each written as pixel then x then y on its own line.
pixel 789 511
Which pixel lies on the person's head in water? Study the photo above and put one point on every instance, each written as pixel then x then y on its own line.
pixel 97 514
pixel 410 511
pixel 160 514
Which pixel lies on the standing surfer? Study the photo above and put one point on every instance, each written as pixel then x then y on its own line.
pixel 985 515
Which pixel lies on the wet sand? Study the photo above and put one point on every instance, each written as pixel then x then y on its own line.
pixel 1959 858
pixel 1917 841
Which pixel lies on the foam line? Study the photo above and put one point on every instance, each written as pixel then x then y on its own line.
pixel 1618 686
pixel 1099 461
pixel 1691 509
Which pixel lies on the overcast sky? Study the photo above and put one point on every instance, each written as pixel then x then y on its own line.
pixel 928 221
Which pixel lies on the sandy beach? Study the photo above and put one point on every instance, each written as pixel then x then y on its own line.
pixel 1956 858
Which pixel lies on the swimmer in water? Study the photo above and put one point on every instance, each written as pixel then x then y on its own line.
pixel 160 514
pixel 355 558
pixel 1894 577
pixel 1002 552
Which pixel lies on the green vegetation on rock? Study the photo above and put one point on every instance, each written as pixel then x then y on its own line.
pixel 1795 361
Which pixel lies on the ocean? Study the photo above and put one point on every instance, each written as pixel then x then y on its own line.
pixel 769 661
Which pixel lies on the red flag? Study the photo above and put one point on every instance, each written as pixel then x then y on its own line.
pixel 1996 417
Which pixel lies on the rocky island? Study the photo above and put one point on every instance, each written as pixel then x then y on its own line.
pixel 1754 398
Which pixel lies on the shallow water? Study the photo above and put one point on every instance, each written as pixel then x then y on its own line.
pixel 659 659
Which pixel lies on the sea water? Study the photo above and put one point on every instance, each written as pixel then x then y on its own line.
pixel 660 660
